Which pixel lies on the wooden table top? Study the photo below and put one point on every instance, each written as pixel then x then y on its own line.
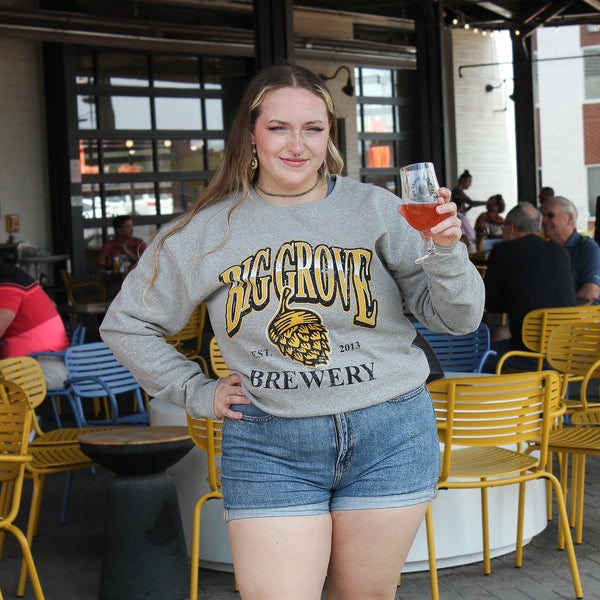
pixel 131 436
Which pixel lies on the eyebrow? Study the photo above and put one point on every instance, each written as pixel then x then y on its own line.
pixel 279 122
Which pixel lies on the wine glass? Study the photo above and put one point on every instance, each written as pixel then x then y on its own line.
pixel 420 196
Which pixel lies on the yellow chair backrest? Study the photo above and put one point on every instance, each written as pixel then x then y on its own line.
pixel 496 410
pixel 192 329
pixel 27 373
pixel 71 287
pixel 217 363
pixel 206 434
pixel 539 323
pixel 15 418
pixel 574 351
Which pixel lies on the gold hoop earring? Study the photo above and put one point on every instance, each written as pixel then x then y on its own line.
pixel 254 160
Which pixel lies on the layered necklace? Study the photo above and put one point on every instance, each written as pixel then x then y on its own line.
pixel 314 187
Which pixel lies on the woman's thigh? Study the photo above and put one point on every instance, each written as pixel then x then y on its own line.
pixel 369 548
pixel 280 557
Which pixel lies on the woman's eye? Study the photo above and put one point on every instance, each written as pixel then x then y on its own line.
pixel 277 128
pixel 315 129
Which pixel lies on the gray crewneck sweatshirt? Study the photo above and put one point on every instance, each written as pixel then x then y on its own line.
pixel 308 303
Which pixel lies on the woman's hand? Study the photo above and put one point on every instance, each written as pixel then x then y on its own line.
pixel 449 231
pixel 229 391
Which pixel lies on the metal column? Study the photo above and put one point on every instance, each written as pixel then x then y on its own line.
pixel 432 90
pixel 273 32
pixel 524 119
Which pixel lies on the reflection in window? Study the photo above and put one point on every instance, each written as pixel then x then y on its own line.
pixel 180 155
pixel 86 112
pixel 127 156
pixel 387 122
pixel 91 203
pixel 591 60
pixel 178 113
pixel 180 72
pixel 124 112
pixel 92 238
pixel 375 82
pixel 216 149
pixel 378 118
pixel 116 68
pixel 88 157
pixel 84 68
pixel 214 113
pixel 180 196
pixel 388 182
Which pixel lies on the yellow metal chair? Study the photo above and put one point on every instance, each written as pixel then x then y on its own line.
pixel 192 332
pixel 94 290
pixel 538 325
pixel 206 434
pixel 574 351
pixel 478 417
pixel 217 363
pixel 15 424
pixel 56 451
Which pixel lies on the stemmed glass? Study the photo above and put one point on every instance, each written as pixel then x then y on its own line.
pixel 420 196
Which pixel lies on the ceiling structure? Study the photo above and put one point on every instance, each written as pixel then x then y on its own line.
pixel 522 15
pixel 232 20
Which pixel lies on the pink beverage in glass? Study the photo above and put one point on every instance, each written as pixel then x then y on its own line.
pixel 421 217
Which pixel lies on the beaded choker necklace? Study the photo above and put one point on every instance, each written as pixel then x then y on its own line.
pixel 314 187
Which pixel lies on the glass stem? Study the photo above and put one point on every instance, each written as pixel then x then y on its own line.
pixel 431 249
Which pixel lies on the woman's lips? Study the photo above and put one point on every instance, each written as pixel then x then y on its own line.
pixel 294 162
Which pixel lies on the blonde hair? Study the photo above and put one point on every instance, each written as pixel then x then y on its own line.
pixel 235 173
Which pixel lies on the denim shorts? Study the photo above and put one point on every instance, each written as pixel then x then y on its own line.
pixel 383 456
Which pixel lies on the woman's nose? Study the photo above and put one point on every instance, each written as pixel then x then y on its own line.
pixel 295 142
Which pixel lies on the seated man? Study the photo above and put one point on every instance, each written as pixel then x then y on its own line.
pixel 560 218
pixel 524 273
pixel 29 322
pixel 123 247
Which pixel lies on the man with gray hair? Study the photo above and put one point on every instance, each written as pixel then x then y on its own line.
pixel 524 273
pixel 559 223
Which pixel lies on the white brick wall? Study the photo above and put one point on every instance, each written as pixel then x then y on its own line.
pixel 484 131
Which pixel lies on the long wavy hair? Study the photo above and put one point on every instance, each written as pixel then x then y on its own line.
pixel 235 173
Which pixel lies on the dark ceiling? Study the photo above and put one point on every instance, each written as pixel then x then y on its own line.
pixel 183 18
pixel 525 15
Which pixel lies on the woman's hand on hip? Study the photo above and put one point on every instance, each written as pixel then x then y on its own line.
pixel 228 392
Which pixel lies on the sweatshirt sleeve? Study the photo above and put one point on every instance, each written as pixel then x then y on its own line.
pixel 445 293
pixel 137 322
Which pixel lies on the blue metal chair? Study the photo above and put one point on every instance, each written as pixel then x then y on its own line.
pixel 94 372
pixel 460 353
pixel 76 335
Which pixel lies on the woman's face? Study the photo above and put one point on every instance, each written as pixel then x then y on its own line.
pixel 466 184
pixel 291 135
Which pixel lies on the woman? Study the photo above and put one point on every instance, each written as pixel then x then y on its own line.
pixel 490 222
pixel 330 451
pixel 459 195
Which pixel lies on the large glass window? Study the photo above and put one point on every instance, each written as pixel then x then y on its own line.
pixel 151 132
pixel 591 59
pixel 386 123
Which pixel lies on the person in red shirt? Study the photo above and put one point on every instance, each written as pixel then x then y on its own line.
pixel 29 322
pixel 123 247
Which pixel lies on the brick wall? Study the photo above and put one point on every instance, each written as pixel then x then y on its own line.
pixel 591 36
pixel 591 129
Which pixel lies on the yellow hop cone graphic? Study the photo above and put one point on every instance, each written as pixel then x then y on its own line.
pixel 299 334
